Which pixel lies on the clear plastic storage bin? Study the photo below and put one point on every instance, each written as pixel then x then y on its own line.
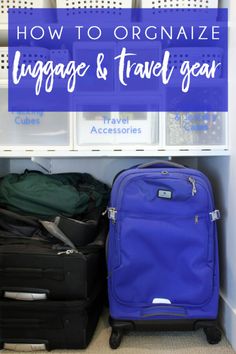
pixel 4 63
pixel 200 8
pixel 106 128
pixel 88 52
pixel 37 130
pixel 201 55
pixel 103 4
pixel 20 5
pixel 199 129
pixel 159 4
pixel 109 5
pixel 30 55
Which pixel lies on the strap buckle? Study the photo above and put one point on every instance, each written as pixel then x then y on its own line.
pixel 215 215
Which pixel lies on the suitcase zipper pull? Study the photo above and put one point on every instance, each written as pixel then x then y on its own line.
pixel 194 188
pixel 67 252
pixel 112 212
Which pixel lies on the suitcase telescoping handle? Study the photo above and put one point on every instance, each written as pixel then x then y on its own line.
pixel 160 163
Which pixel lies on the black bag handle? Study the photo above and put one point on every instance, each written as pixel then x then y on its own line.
pixel 160 163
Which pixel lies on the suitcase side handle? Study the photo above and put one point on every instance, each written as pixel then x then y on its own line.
pixel 160 163
pixel 25 347
pixel 24 296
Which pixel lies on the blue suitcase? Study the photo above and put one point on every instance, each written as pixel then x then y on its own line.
pixel 163 269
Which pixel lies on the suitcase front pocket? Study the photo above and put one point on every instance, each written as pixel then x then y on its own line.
pixel 164 258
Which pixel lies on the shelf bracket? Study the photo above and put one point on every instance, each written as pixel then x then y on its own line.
pixel 44 163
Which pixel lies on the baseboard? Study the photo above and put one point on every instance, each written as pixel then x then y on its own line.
pixel 228 320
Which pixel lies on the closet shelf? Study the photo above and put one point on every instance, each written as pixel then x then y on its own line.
pixel 114 153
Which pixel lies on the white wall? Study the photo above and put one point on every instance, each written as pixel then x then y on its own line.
pixel 4 166
pixel 222 172
pixel 102 168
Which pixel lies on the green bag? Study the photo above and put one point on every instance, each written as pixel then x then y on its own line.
pixel 46 196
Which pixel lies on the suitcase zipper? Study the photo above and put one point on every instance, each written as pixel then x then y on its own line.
pixel 67 252
pixel 215 215
pixel 112 213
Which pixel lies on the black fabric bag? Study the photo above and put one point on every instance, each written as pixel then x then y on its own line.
pixel 79 232
pixel 51 324
pixel 39 266
pixel 71 232
pixel 52 249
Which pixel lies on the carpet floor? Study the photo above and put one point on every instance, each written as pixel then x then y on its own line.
pixel 151 343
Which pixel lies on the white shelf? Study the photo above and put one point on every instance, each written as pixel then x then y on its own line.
pixel 76 149
pixel 113 153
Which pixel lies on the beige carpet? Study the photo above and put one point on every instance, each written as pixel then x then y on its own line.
pixel 151 343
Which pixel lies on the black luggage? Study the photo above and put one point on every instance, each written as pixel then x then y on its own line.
pixel 50 270
pixel 52 260
pixel 49 324
pixel 51 295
